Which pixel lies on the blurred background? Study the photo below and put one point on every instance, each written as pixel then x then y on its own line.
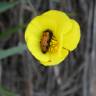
pixel 22 75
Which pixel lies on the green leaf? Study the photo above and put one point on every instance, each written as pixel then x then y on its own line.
pixel 5 92
pixel 12 51
pixel 7 5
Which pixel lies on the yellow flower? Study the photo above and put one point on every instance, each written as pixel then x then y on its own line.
pixel 55 32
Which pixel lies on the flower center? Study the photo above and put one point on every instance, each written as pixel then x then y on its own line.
pixel 48 42
pixel 53 45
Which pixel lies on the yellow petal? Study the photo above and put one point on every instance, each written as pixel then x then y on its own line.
pixel 72 38
pixel 55 59
pixel 32 36
pixel 58 20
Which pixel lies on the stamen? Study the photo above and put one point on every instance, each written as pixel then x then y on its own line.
pixel 53 45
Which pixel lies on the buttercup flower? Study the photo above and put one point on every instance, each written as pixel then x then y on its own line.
pixel 51 36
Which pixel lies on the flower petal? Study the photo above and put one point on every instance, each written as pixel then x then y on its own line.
pixel 55 59
pixel 32 36
pixel 72 38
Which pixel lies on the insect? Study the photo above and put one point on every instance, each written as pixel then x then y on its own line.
pixel 45 40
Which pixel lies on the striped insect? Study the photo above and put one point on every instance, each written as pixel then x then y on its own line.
pixel 45 40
